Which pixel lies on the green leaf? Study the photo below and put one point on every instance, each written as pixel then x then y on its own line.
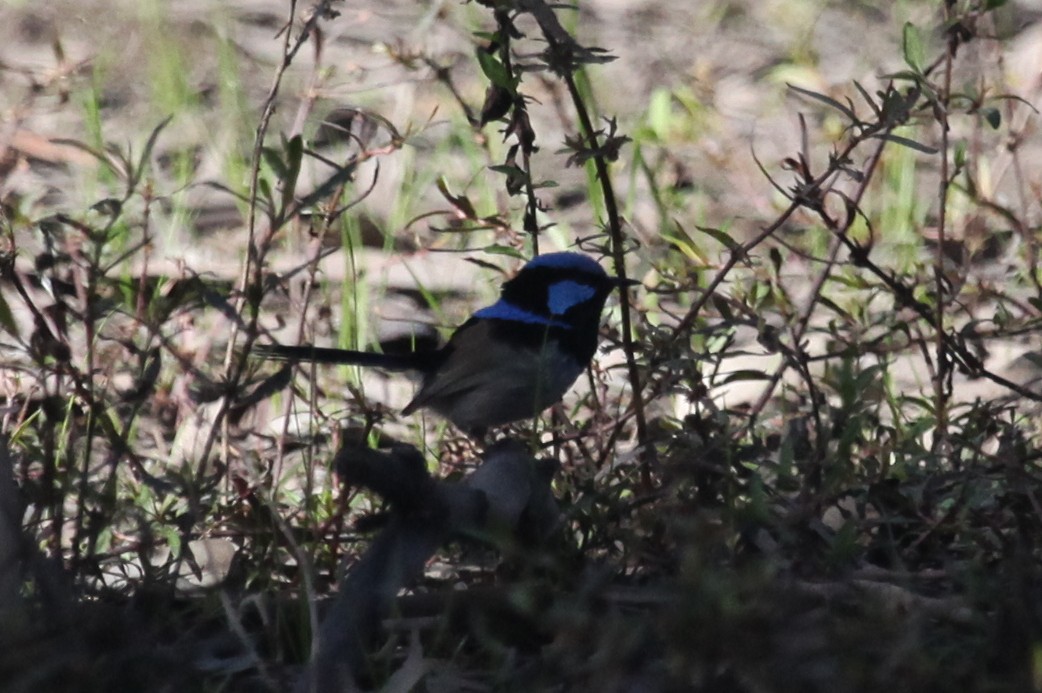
pixel 722 307
pixel 135 175
pixel 904 141
pixel 1018 99
pixel 1034 358
pixel 496 71
pixel 496 249
pixel 832 305
pixel 274 161
pixel 912 43
pixel 7 318
pixel 507 169
pixel 868 99
pixel 264 192
pixel 776 259
pixel 743 375
pixel 294 155
pixel 827 100
pixel 685 244
pixel 850 281
pixel 462 203
pixel 720 237
pixel 993 116
pixel 659 113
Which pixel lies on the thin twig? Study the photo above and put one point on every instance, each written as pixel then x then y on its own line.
pixel 942 379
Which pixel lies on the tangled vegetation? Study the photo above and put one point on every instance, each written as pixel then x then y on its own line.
pixel 805 459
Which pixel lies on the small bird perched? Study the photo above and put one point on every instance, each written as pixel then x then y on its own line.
pixel 510 360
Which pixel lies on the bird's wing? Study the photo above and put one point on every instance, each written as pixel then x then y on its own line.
pixel 474 358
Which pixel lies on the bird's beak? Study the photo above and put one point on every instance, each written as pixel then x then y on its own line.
pixel 620 283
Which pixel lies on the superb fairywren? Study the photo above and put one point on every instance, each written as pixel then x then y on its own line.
pixel 510 360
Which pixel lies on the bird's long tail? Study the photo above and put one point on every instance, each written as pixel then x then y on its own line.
pixel 393 362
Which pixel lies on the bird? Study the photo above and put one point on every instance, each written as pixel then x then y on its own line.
pixel 509 361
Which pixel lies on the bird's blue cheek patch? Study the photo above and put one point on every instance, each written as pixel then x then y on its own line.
pixel 504 310
pixel 566 294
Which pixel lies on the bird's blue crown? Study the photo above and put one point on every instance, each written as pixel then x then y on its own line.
pixel 566 261
pixel 560 294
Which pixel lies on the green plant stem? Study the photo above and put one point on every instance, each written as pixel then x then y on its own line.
pixel 561 42
pixel 804 321
pixel 942 377
pixel 619 259
pixel 252 281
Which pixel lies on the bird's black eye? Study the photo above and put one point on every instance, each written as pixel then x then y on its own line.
pixel 561 296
